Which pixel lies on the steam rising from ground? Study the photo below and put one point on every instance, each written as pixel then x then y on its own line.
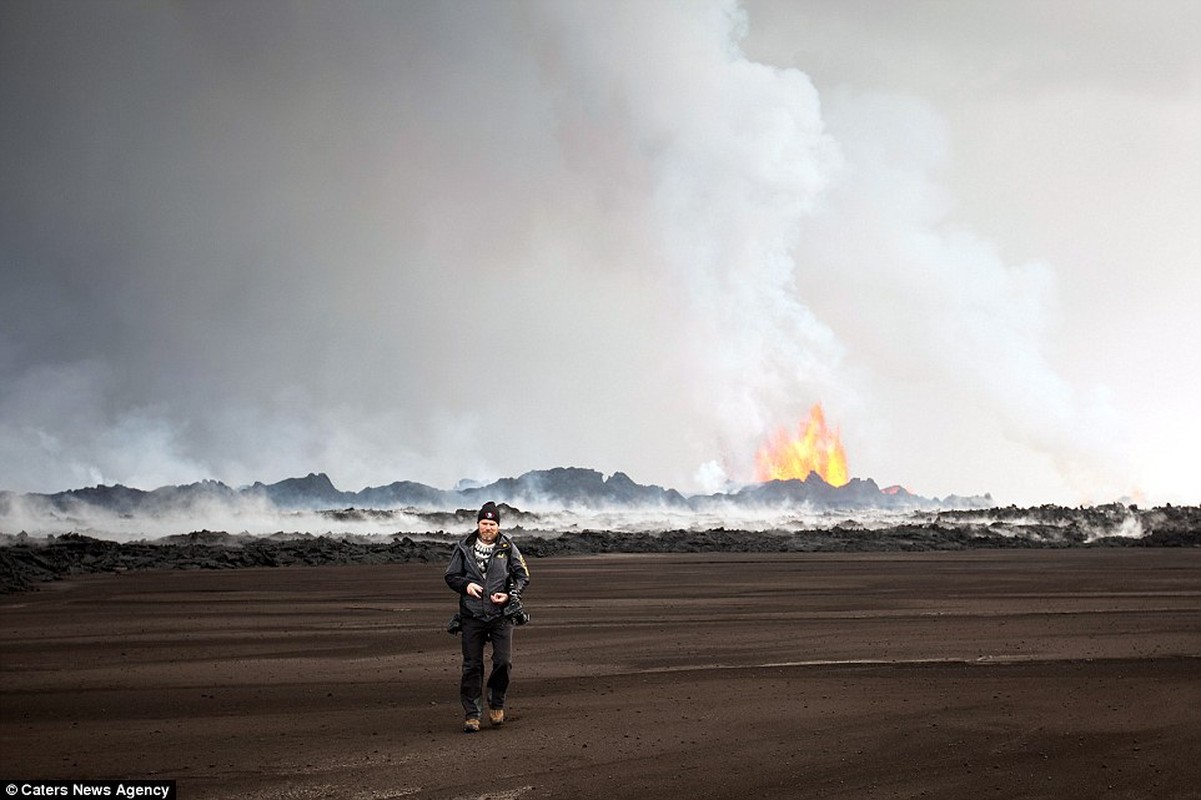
pixel 260 521
pixel 424 241
pixel 253 517
pixel 246 515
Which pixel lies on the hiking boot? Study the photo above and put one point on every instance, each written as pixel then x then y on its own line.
pixel 471 725
pixel 496 716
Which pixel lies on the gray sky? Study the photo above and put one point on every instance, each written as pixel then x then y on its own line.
pixel 430 241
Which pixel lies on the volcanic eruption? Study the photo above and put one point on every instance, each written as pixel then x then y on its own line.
pixel 813 448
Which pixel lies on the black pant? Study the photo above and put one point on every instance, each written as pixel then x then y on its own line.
pixel 476 633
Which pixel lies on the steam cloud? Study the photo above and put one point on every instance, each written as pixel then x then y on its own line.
pixel 430 241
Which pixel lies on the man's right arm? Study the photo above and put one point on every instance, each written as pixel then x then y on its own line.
pixel 456 577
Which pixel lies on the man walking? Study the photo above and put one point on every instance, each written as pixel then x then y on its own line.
pixel 489 573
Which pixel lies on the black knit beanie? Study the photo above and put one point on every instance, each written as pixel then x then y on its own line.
pixel 489 511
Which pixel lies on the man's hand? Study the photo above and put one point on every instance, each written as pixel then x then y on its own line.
pixel 475 590
pixel 500 598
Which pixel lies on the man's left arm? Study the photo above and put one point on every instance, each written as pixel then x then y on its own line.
pixel 519 572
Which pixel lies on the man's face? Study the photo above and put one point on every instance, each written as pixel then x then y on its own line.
pixel 489 528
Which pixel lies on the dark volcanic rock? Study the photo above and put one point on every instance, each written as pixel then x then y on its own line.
pixel 400 494
pixel 123 500
pixel 575 487
pixel 25 561
pixel 857 493
pixel 622 490
pixel 315 490
pixel 561 487
pixel 118 499
pixel 167 498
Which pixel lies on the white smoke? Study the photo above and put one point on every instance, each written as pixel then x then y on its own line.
pixel 726 156
pixel 435 242
pixel 949 341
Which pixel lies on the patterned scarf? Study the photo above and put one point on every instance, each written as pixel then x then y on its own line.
pixel 482 553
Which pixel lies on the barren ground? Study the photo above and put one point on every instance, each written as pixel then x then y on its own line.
pixel 1032 674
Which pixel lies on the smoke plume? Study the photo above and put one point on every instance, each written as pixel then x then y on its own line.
pixel 436 241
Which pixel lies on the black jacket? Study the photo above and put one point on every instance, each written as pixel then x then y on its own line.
pixel 505 572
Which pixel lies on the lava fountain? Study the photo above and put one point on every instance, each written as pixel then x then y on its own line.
pixel 813 448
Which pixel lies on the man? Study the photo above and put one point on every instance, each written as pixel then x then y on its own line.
pixel 489 573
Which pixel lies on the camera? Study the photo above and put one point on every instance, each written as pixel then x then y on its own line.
pixel 515 612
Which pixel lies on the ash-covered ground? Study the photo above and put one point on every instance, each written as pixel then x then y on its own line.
pixel 1032 673
pixel 369 536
